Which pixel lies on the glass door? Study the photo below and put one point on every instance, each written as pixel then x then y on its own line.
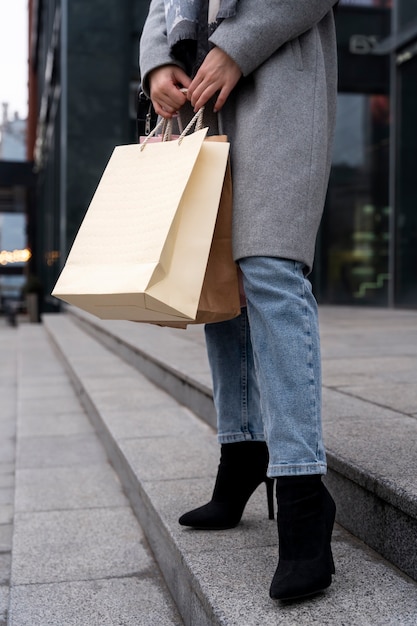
pixel 352 257
pixel 406 179
pixel 354 237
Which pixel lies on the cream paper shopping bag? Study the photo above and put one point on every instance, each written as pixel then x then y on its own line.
pixel 142 249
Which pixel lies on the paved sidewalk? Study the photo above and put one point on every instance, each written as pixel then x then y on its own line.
pixel 79 555
pixel 8 402
pixel 208 574
pixel 369 409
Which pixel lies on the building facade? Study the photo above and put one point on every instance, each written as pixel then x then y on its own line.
pixel 367 247
pixel 16 203
pixel 83 82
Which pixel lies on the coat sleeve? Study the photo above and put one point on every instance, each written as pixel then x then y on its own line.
pixel 154 50
pixel 260 28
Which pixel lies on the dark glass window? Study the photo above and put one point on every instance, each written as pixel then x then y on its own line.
pixel 354 237
pixel 407 12
pixel 406 186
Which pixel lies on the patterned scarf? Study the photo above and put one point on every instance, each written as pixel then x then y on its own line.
pixel 184 17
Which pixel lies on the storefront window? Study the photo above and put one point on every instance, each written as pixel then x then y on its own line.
pixel 406 186
pixel 354 237
pixel 407 12
pixel 13 257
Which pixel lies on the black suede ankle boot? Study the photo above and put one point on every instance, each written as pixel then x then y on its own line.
pixel 241 470
pixel 306 513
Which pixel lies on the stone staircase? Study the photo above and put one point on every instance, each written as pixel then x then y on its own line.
pixel 72 552
pixel 148 394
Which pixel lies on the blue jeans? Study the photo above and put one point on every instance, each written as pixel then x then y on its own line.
pixel 266 368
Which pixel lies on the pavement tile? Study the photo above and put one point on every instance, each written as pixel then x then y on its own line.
pixel 6 495
pixel 385 447
pixel 4 604
pixel 255 529
pixel 35 392
pixel 117 602
pixel 5 566
pixel 340 404
pixel 66 403
pixel 179 349
pixel 43 370
pixel 135 399
pixel 179 457
pixel 342 372
pixel 159 420
pixel 61 546
pixel 48 381
pixel 357 345
pixel 7 427
pixel 59 451
pixel 241 584
pixel 398 396
pixel 47 425
pixel 6 514
pixel 6 537
pixel 63 488
pixel 7 449
pixel 101 365
pixel 8 405
pixel 6 475
pixel 126 379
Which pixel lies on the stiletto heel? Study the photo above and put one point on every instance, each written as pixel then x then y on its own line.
pixel 269 482
pixel 241 470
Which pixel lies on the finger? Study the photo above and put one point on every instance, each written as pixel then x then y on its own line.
pixel 181 78
pixel 168 96
pixel 221 98
pixel 192 89
pixel 203 99
pixel 169 101
pixel 202 94
pixel 163 111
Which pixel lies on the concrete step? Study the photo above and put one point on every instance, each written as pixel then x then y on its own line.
pixel 369 410
pixel 79 555
pixel 166 458
pixel 8 403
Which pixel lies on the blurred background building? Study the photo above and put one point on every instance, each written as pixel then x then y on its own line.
pixel 16 202
pixel 83 80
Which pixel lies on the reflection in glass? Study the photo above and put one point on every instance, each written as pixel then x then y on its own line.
pixel 13 256
pixel 406 186
pixel 355 232
pixel 407 12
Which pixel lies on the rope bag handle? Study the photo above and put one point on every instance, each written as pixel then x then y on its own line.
pixel 166 127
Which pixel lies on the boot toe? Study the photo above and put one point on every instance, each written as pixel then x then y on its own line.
pixel 299 579
pixel 212 516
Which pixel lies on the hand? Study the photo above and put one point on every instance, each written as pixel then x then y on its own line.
pixel 165 83
pixel 218 74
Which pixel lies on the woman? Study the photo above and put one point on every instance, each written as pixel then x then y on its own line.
pixel 269 69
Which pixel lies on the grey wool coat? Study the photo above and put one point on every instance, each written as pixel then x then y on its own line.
pixel 279 118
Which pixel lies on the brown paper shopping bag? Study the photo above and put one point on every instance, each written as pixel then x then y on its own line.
pixel 142 249
pixel 219 299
